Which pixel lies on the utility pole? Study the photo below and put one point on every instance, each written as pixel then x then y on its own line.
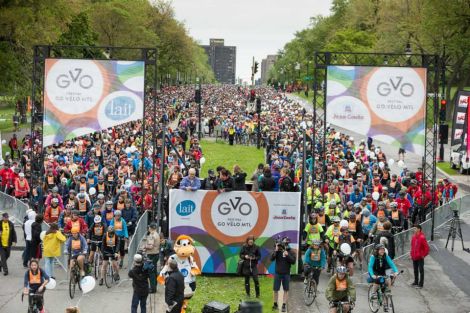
pixel 254 70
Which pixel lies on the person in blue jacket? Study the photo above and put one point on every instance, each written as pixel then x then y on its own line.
pixel 379 262
pixel 314 260
pixel 367 222
pixel 120 227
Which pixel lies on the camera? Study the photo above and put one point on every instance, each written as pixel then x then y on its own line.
pixel 282 243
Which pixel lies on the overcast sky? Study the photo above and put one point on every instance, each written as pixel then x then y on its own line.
pixel 256 27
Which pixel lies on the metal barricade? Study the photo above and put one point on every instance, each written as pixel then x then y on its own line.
pixel 139 234
pixel 15 208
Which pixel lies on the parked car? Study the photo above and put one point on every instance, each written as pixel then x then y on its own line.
pixel 459 160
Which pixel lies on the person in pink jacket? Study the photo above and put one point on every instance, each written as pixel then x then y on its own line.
pixel 419 250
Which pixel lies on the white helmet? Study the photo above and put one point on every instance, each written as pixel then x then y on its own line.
pixel 97 219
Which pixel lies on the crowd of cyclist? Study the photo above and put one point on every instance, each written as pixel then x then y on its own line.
pixel 95 187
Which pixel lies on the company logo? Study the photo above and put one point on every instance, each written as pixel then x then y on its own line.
pixel 395 85
pixel 74 76
pixel 184 272
pixel 185 208
pixel 460 118
pixel 458 134
pixel 463 101
pixel 120 108
pixel 243 208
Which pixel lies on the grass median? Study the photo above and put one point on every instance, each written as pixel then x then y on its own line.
pixel 229 290
pixel 222 154
pixel 445 166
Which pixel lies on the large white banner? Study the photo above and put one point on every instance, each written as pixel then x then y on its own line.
pixel 221 222
pixel 385 103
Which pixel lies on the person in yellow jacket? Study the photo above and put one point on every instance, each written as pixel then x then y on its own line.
pixel 333 209
pixel 314 197
pixel 332 232
pixel 52 243
pixel 332 196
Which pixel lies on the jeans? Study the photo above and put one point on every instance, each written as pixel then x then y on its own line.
pixel 418 267
pixel 49 266
pixel 247 283
pixel 135 303
pixel 27 253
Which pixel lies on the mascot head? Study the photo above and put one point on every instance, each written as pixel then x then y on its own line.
pixel 184 246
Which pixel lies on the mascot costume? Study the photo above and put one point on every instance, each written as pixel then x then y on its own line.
pixel 184 251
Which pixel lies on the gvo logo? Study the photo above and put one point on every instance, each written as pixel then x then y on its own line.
pixel 74 76
pixel 244 208
pixel 185 208
pixel 405 89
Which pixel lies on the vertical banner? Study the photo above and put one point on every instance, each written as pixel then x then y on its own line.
pixel 385 103
pixel 459 118
pixel 468 129
pixel 84 96
pixel 221 222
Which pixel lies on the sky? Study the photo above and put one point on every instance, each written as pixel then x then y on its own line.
pixel 256 27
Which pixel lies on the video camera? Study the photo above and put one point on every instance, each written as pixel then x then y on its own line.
pixel 282 243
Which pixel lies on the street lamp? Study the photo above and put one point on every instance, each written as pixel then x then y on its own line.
pixel 197 99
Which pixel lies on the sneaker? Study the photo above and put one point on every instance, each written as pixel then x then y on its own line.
pixel 305 281
pixel 116 277
pixel 414 284
pixel 5 273
pixel 385 308
pixel 419 287
pixel 101 282
pixel 284 308
pixel 275 306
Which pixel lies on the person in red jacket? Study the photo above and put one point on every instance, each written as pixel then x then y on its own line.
pixel 76 223
pixel 21 187
pixel 419 250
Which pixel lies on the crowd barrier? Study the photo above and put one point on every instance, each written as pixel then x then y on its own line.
pixel 442 215
pixel 15 208
pixel 139 234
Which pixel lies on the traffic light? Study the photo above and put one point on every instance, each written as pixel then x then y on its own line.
pixel 197 96
pixel 442 111
pixel 258 105
pixel 256 68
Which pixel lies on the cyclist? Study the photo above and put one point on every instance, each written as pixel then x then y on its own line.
pixel 340 289
pixel 110 249
pixel 323 219
pixel 120 228
pixel 313 230
pixel 76 224
pixel 332 232
pixel 314 260
pixel 333 209
pixel 396 218
pixel 345 237
pixel 96 232
pixel 35 281
pixel 77 248
pixel 108 212
pixel 377 266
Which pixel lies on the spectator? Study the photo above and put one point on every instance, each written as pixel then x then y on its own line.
pixel 21 187
pixel 266 181
pixel 140 285
pixel 250 254
pixel 52 247
pixel 225 181
pixel 285 182
pixel 31 216
pixel 238 178
pixel 190 182
pixel 8 239
pixel 209 182
pixel 174 288
pixel 152 248
pixel 419 250
pixel 255 177
pixel 284 258
pixel 36 229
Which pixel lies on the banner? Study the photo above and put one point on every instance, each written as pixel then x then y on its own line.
pixel 385 103
pixel 460 117
pixel 221 222
pixel 84 96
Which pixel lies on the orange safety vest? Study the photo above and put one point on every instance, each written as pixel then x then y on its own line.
pixel 50 180
pixel 341 285
pixel 110 242
pixel 82 206
pixel 76 244
pixel 366 221
pixel 321 220
pixel 315 255
pixel 75 227
pixel 380 214
pixel 109 215
pixel 55 211
pixel 35 279
pixel 352 226
pixel 117 225
pixel 83 185
pixel 101 187
pixel 380 226
pixel 91 181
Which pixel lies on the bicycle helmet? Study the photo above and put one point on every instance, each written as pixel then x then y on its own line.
pixel 352 215
pixel 393 205
pixel 109 202
pixel 100 196
pixel 335 219
pixel 332 203
pixel 55 190
pixel 381 203
pixel 379 246
pixel 97 219
pixel 117 213
pixel 341 270
pixel 55 200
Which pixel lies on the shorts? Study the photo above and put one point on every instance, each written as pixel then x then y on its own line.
pixel 109 257
pixel 94 246
pixel 281 279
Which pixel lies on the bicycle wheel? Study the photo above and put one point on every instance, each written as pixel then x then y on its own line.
pixel 109 277
pixel 98 260
pixel 72 284
pixel 310 292
pixel 391 306
pixel 374 304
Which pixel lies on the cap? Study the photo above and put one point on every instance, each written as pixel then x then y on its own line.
pixel 5 214
pixel 153 226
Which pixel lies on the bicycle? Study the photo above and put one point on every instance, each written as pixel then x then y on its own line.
pixel 74 279
pixel 33 302
pixel 310 289
pixel 339 306
pixel 97 259
pixel 375 298
pixel 109 277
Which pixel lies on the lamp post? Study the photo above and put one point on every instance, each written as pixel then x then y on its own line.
pixel 197 99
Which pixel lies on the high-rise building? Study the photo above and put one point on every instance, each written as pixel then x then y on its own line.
pixel 266 65
pixel 222 59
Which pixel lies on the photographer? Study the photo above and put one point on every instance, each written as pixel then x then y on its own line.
pixel 250 255
pixel 284 258
pixel 140 284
